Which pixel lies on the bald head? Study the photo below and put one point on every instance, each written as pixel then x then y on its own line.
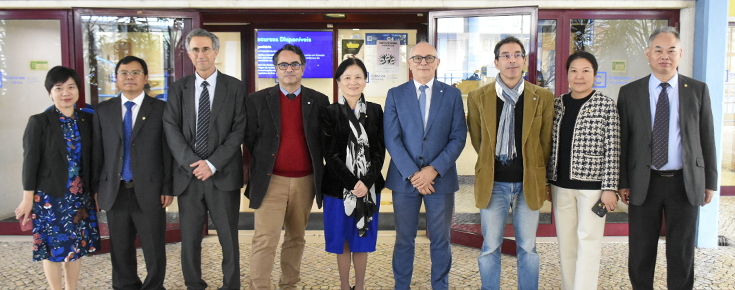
pixel 423 70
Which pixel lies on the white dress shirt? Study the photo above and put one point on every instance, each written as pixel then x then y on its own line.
pixel 418 85
pixel 212 80
pixel 654 89
pixel 138 102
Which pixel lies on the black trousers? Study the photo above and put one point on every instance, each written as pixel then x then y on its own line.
pixel 200 198
pixel 666 196
pixel 126 221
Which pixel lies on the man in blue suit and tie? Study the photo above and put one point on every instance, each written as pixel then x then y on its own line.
pixel 425 131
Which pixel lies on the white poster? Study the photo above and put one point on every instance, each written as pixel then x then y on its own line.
pixel 387 60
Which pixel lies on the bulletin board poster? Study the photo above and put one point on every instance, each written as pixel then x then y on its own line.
pixel 388 57
pixel 385 59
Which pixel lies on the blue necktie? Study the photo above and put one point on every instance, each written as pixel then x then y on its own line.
pixel 203 124
pixel 422 103
pixel 127 172
pixel 660 134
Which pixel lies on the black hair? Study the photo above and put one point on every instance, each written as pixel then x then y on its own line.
pixel 60 74
pixel 347 63
pixel 128 59
pixel 506 40
pixel 290 47
pixel 582 54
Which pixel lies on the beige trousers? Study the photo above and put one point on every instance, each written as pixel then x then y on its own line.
pixel 580 232
pixel 287 204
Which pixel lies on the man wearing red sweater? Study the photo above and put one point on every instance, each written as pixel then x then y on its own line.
pixel 282 135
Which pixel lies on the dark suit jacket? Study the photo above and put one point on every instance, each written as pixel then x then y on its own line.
pixel 697 139
pixel 150 157
pixel 335 134
pixel 263 135
pixel 226 130
pixel 45 165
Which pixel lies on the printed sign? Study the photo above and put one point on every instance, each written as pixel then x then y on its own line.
pixel 618 65
pixel 388 61
pixel 41 65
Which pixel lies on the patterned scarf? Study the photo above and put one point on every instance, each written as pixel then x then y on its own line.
pixel 358 162
pixel 505 148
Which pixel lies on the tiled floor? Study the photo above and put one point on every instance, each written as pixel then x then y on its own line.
pixel 715 268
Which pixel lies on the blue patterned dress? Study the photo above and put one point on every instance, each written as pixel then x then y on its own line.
pixel 65 229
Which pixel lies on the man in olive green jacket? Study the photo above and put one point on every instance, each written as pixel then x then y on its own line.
pixel 510 123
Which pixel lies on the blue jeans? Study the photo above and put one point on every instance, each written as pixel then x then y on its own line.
pixel 439 209
pixel 507 195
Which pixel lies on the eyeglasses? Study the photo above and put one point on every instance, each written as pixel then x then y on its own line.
pixel 134 73
pixel 428 58
pixel 284 66
pixel 509 56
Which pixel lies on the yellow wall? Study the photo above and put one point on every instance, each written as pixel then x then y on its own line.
pixel 732 8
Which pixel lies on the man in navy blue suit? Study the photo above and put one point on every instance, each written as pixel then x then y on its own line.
pixel 425 131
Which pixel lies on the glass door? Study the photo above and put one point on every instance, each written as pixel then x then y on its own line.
pixel 31 43
pixel 465 41
pixel 104 36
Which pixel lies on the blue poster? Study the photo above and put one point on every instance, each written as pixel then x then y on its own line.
pixel 372 38
pixel 316 45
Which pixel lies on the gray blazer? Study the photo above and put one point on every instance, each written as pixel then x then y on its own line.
pixel 150 157
pixel 263 137
pixel 697 139
pixel 226 130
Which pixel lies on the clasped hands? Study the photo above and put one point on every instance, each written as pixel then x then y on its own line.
pixel 202 170
pixel 423 179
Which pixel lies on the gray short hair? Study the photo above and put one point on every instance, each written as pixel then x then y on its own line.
pixel 665 29
pixel 202 32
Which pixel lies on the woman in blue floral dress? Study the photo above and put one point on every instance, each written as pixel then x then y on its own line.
pixel 56 174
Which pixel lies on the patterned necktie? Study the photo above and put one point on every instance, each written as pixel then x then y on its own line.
pixel 660 133
pixel 127 172
pixel 422 103
pixel 203 124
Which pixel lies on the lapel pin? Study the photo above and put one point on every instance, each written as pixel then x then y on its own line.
pixel 143 118
pixel 308 103
pixel 685 85
pixel 441 91
pixel 534 99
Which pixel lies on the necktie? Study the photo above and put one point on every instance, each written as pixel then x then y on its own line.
pixel 291 96
pixel 203 123
pixel 422 103
pixel 660 149
pixel 127 172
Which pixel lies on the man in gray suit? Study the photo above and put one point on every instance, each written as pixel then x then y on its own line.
pixel 132 176
pixel 205 124
pixel 667 163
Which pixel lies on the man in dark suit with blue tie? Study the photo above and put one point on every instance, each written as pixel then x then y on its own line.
pixel 668 164
pixel 132 176
pixel 204 123
pixel 425 132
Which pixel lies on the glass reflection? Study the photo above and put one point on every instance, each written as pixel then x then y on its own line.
pixel 466 47
pixel 107 39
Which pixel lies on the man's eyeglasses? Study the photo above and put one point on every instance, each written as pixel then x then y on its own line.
pixel 284 66
pixel 428 58
pixel 508 56
pixel 134 73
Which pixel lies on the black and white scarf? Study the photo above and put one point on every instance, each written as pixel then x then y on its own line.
pixel 358 162
pixel 505 148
